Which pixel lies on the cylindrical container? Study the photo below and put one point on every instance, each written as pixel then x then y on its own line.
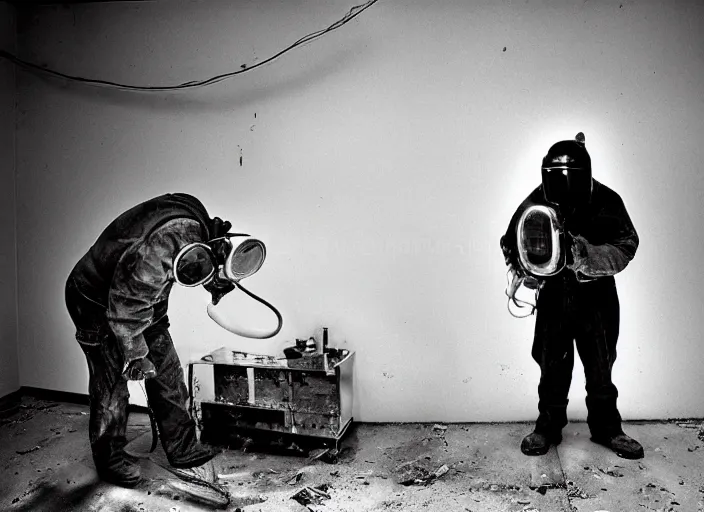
pixel 325 339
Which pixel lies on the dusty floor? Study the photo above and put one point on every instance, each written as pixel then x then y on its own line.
pixel 45 465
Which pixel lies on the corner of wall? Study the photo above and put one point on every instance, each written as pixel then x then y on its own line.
pixel 11 380
pixel 14 199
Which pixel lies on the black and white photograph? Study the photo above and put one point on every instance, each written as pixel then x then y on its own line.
pixel 351 256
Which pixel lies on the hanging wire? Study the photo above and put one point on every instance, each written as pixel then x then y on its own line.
pixel 511 294
pixel 353 13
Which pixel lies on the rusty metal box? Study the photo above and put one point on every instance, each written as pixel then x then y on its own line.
pixel 310 396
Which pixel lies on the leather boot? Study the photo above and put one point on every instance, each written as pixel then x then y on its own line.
pixel 197 456
pixel 548 430
pixel 122 470
pixel 621 444
pixel 538 443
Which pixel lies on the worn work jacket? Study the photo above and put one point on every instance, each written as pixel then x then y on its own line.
pixel 129 269
pixel 602 230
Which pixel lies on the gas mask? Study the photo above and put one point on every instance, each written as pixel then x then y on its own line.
pixel 219 265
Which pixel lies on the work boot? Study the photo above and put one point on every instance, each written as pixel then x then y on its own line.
pixel 121 470
pixel 538 443
pixel 623 445
pixel 205 472
pixel 197 456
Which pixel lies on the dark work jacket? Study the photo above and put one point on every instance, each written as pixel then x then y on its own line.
pixel 128 270
pixel 602 231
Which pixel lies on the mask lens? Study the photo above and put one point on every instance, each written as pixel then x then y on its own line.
pixel 246 259
pixel 194 266
pixel 567 188
pixel 556 186
pixel 537 233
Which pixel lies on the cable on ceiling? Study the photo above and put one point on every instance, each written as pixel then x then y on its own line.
pixel 244 68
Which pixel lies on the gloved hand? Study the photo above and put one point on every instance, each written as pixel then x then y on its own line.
pixel 578 251
pixel 140 369
pixel 511 259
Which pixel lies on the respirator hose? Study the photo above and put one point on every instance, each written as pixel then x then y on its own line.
pixel 511 290
pixel 212 313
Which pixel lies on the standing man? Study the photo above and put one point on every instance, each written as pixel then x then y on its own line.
pixel 579 303
pixel 117 296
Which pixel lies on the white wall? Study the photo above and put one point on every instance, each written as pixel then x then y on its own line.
pixel 380 164
pixel 9 374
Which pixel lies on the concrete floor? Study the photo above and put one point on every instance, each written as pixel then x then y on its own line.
pixel 45 465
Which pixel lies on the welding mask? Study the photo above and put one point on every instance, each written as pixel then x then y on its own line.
pixel 219 265
pixel 542 253
pixel 567 175
pixel 540 239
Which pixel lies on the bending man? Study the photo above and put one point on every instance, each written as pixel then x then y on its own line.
pixel 117 296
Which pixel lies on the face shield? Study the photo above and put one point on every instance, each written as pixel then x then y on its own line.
pixel 219 265
pixel 567 175
pixel 569 188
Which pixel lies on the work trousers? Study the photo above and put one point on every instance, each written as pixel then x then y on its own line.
pixel 107 387
pixel 585 315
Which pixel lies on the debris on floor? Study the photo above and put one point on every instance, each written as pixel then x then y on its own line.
pixel 311 497
pixel 317 453
pixel 574 491
pixel 28 450
pixel 612 472
pixel 39 406
pixel 327 455
pixel 543 489
pixel 201 493
pixel 413 473
pixel 241 475
pixel 296 478
pixel 499 487
pixel 688 424
pixel 474 473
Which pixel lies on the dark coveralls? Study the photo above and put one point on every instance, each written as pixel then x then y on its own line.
pixel 586 312
pixel 117 296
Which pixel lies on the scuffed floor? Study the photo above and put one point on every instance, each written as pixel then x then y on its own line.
pixel 45 465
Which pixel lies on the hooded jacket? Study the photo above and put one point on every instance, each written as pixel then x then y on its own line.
pixel 128 270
